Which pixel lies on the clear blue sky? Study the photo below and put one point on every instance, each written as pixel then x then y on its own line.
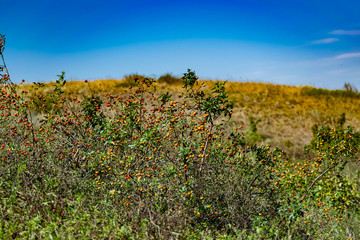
pixel 294 42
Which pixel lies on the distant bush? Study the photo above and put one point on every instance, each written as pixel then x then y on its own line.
pixel 130 80
pixel 251 136
pixel 169 79
pixel 348 87
pixel 349 91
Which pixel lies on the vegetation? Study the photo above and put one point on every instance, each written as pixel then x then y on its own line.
pixel 287 113
pixel 148 163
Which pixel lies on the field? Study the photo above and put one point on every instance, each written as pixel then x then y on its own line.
pixel 169 158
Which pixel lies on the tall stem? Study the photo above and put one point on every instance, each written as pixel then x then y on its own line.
pixel 7 72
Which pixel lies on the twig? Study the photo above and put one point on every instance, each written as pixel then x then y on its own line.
pixel 206 145
pixel 313 183
pixel 154 223
pixel 7 72
pixel 252 182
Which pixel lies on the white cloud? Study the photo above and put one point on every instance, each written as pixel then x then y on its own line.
pixel 348 55
pixel 346 32
pixel 325 41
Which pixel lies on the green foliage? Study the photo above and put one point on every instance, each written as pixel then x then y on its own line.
pixel 189 79
pixel 91 108
pixel 251 136
pixel 213 105
pixel 253 124
pixel 59 83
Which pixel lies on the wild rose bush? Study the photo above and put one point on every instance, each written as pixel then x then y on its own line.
pixel 161 166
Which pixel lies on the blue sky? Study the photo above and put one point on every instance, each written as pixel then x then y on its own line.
pixel 289 42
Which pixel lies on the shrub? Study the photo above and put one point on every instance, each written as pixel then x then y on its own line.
pixel 129 80
pixel 319 92
pixel 169 79
pixel 162 168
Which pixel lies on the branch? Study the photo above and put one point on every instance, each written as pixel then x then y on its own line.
pixel 252 182
pixel 7 72
pixel 153 223
pixel 206 145
pixel 313 183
